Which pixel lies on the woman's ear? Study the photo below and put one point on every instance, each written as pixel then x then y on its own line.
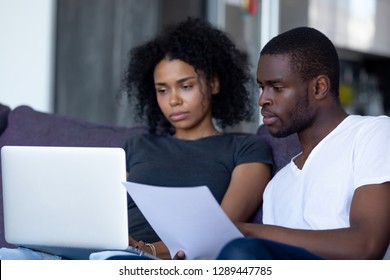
pixel 322 86
pixel 214 85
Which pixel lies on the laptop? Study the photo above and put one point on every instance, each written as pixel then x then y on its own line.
pixel 67 201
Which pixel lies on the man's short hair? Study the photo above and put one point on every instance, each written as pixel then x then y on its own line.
pixel 311 54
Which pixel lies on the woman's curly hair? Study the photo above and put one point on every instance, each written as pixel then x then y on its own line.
pixel 208 50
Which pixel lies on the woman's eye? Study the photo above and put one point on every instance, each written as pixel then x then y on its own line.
pixel 187 87
pixel 161 90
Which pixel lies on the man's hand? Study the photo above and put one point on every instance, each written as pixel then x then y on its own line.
pixel 180 255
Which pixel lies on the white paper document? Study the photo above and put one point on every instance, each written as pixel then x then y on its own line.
pixel 187 218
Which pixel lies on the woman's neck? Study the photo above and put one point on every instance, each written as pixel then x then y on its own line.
pixel 196 134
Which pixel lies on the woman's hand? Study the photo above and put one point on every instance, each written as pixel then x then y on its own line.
pixel 157 249
pixel 136 244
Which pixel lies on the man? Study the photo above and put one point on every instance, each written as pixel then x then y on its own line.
pixel 332 200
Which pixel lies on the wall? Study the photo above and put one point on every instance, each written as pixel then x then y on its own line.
pixel 354 25
pixel 26 52
pixel 93 41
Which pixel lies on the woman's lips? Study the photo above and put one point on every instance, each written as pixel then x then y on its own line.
pixel 178 116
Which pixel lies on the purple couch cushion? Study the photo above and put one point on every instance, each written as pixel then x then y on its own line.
pixel 283 150
pixel 27 127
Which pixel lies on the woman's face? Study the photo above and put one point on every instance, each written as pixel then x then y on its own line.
pixel 183 96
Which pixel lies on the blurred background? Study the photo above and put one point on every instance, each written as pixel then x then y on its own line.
pixel 67 56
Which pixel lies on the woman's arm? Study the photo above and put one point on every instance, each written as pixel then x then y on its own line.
pixel 245 192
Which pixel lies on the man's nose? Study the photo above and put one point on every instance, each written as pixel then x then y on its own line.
pixel 264 99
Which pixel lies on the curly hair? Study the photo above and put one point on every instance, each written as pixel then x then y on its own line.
pixel 208 50
pixel 311 54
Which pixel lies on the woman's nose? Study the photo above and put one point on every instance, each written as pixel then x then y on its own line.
pixel 175 99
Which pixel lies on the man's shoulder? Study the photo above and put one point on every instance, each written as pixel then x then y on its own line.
pixel 367 123
pixel 369 119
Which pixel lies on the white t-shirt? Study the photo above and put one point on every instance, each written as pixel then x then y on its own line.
pixel 354 154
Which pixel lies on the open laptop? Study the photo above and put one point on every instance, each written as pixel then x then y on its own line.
pixel 67 201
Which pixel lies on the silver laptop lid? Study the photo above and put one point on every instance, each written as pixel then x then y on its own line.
pixel 65 197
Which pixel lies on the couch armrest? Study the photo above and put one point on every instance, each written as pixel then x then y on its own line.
pixel 4 111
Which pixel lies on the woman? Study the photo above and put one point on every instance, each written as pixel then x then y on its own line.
pixel 190 82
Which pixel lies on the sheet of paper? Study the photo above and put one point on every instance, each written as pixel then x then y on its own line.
pixel 187 218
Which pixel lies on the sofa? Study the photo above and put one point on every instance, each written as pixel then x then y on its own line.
pixel 25 126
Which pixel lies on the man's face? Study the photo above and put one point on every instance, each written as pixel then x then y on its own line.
pixel 284 98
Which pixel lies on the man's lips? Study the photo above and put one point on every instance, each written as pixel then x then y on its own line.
pixel 178 116
pixel 268 118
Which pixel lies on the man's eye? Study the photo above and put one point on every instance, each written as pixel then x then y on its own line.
pixel 278 89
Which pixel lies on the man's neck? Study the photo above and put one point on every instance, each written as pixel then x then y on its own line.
pixel 310 137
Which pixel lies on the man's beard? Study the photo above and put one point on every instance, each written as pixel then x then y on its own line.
pixel 301 118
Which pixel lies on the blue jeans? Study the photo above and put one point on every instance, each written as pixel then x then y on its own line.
pixel 250 248
pixel 21 253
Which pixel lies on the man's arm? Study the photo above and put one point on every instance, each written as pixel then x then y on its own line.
pixel 367 238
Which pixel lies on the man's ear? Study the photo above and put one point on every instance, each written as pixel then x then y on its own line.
pixel 214 85
pixel 321 86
